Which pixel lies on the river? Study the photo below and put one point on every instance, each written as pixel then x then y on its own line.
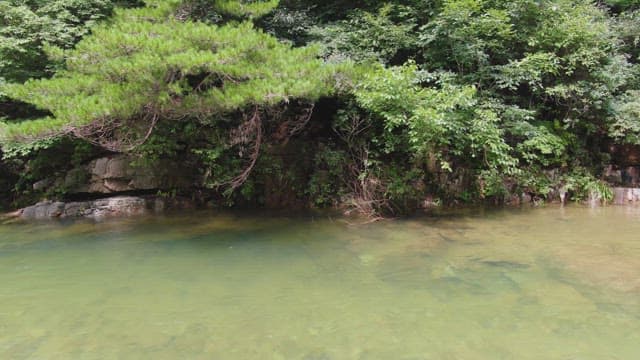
pixel 546 283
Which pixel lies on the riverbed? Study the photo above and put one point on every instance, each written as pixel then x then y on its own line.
pixel 545 283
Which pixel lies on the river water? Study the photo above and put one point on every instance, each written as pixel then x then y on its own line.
pixel 547 283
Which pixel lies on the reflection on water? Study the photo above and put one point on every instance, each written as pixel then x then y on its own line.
pixel 521 284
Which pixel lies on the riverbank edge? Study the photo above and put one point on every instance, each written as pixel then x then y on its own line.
pixel 131 206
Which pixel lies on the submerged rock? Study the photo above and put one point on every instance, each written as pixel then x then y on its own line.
pixel 512 265
pixel 599 266
pixel 42 210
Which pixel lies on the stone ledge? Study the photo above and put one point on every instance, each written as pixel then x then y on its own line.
pixel 118 206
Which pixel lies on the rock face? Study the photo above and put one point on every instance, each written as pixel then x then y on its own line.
pixel 117 206
pixel 625 196
pixel 115 176
pixel 625 176
pixel 117 173
pixel 625 155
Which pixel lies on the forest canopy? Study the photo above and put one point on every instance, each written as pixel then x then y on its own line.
pixel 391 101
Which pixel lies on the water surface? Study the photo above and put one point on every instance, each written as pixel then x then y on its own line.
pixel 550 283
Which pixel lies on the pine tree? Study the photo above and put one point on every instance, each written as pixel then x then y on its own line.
pixel 157 64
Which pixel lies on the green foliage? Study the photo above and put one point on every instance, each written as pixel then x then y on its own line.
pixel 364 36
pixel 447 121
pixel 148 61
pixel 327 184
pixel 27 27
pixel 626 25
pixel 535 83
pixel 461 99
pixel 289 25
pixel 245 8
pixel 22 150
pixel 584 186
pixel 626 125
pixel 621 5
pixel 55 161
pixel 220 11
pixel 466 34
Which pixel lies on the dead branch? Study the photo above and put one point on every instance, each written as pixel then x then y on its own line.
pixel 249 136
pixel 248 133
pixel 292 124
pixel 352 130
pixel 117 135
pixel 301 121
pixel 367 191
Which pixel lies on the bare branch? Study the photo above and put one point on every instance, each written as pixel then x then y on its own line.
pixel 117 135
pixel 293 125
pixel 250 132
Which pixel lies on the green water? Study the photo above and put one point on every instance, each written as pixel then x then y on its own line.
pixel 545 283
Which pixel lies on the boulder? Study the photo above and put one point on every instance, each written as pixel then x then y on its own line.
pixel 43 210
pixel 114 207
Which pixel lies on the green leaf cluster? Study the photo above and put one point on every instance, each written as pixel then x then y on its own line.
pixel 150 60
pixel 28 27
pixel 504 88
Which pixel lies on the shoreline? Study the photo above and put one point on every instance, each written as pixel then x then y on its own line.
pixel 120 206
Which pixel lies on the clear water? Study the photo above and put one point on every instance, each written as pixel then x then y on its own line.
pixel 546 283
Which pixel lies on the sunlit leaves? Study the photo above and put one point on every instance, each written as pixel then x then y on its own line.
pixel 445 121
pixel 128 67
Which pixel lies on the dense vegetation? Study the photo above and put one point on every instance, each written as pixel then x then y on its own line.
pixel 380 105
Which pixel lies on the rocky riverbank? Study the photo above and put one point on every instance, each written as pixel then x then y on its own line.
pixel 117 186
pixel 117 206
